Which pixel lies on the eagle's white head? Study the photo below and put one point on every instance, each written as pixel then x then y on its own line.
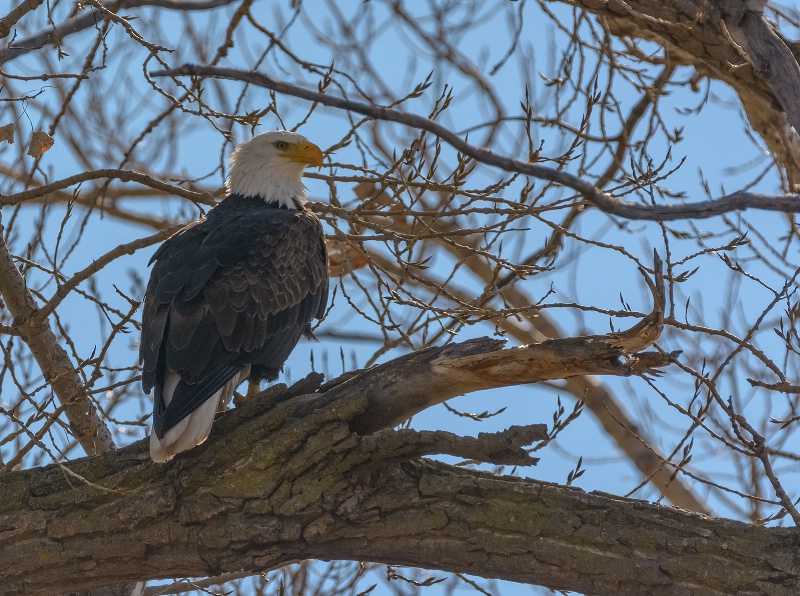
pixel 271 166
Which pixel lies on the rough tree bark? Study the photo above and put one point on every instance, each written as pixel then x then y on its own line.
pixel 306 473
pixel 289 481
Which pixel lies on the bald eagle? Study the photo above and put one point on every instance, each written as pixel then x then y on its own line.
pixel 231 294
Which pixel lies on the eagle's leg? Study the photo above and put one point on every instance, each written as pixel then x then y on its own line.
pixel 253 386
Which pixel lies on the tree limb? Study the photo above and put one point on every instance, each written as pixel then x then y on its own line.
pixel 392 390
pixel 122 175
pixel 284 480
pixel 616 421
pixel 755 66
pixel 373 400
pixel 19 11
pixel 771 59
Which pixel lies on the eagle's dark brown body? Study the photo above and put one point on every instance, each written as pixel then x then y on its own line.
pixel 236 289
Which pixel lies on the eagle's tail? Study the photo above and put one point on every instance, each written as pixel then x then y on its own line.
pixel 195 427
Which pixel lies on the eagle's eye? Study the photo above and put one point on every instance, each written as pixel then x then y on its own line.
pixel 281 145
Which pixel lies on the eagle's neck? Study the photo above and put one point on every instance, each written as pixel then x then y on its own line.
pixel 235 201
pixel 277 184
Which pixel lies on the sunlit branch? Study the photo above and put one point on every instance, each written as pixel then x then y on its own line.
pixel 122 175
pixel 768 54
pixel 19 11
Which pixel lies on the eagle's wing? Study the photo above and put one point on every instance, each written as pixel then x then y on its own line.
pixel 232 291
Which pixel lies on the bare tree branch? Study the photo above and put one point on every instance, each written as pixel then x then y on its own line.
pixel 100 262
pixel 481 364
pixel 8 21
pixel 605 406
pixel 122 175
pixel 762 81
pixel 89 18
pixel 602 200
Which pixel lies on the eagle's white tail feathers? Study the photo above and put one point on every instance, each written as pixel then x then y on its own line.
pixel 195 428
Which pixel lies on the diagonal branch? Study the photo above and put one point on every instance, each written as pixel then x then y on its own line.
pixel 97 264
pixel 393 394
pixel 771 59
pixel 54 362
pixel 11 19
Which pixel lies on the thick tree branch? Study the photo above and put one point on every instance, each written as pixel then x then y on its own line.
pixel 392 390
pixel 602 200
pixel 712 36
pixel 19 11
pixel 771 59
pixel 503 448
pixel 616 421
pixel 370 401
pixel 283 480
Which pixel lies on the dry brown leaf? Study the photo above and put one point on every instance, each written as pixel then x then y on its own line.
pixel 40 142
pixel 368 192
pixel 343 258
pixel 7 133
pixel 364 190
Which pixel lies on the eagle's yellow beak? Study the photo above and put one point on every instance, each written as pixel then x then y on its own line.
pixel 307 153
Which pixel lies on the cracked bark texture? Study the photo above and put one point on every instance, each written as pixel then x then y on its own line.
pixel 284 479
